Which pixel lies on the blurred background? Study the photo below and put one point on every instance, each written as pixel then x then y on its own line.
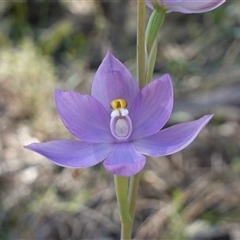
pixel 194 194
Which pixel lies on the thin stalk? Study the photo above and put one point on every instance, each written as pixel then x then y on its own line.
pixel 141 69
pixel 121 187
pixel 132 194
pixel 151 62
pixel 154 24
pixel 127 205
pixel 141 42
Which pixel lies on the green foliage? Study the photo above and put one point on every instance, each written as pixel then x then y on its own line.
pixel 50 40
pixel 212 216
pixel 235 164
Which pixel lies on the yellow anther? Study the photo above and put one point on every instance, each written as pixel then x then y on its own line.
pixel 118 103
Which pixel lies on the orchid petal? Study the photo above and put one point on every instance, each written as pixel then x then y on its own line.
pixel 164 3
pixel 171 2
pixel 124 160
pixel 112 81
pixel 172 139
pixel 152 107
pixel 72 153
pixel 188 6
pixel 83 116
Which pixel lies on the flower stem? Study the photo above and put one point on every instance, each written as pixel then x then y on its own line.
pixel 151 62
pixel 127 205
pixel 121 186
pixel 130 203
pixel 132 194
pixel 154 24
pixel 141 42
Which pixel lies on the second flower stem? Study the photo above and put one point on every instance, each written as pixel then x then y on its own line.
pixel 141 42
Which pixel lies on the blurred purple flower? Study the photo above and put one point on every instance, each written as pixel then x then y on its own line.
pixel 118 123
pixel 186 6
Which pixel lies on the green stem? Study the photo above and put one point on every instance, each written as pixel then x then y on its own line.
pixel 151 62
pixel 141 71
pixel 154 24
pixel 141 43
pixel 127 206
pixel 121 186
pixel 132 195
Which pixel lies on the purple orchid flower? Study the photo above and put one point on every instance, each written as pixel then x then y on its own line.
pixel 186 6
pixel 118 124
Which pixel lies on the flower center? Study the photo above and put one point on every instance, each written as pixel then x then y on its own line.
pixel 118 103
pixel 120 124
